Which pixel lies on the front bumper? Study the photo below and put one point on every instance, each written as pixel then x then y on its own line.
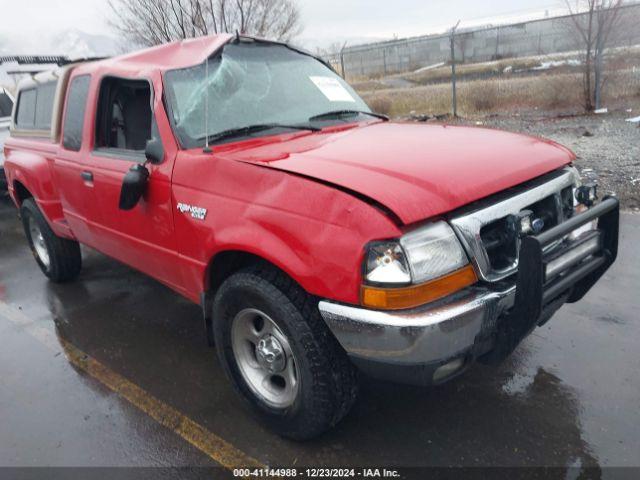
pixel 433 343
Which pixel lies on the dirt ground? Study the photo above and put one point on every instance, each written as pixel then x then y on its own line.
pixel 607 146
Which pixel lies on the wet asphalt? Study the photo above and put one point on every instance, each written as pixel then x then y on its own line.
pixel 568 397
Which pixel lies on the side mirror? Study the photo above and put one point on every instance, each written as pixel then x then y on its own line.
pixel 154 151
pixel 133 186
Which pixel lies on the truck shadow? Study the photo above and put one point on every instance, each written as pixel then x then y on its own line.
pixel 487 417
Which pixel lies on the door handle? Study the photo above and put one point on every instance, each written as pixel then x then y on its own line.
pixel 87 176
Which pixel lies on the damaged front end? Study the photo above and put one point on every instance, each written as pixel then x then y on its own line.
pixel 533 249
pixel 566 274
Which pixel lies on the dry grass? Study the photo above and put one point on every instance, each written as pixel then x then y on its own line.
pixel 547 92
pixel 381 104
pixel 617 60
pixel 443 73
pixel 366 85
pixel 489 98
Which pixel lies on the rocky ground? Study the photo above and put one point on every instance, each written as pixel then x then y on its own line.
pixel 607 146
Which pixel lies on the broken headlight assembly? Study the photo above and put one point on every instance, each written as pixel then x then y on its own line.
pixel 422 266
pixel 585 195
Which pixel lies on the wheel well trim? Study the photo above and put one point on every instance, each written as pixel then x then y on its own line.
pixel 243 258
pixel 21 192
pixel 236 258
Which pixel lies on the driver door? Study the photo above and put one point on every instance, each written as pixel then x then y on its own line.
pixel 128 115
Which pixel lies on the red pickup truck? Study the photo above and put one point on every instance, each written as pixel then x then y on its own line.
pixel 320 238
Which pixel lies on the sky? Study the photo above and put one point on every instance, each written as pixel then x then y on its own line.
pixel 34 16
pixel 323 20
pixel 403 18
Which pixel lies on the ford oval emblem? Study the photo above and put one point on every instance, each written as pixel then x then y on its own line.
pixel 537 225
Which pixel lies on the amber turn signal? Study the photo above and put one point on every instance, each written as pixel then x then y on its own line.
pixel 416 295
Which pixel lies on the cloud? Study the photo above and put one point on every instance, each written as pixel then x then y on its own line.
pixel 33 24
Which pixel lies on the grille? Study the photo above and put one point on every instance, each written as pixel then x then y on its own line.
pixel 501 244
pixel 484 230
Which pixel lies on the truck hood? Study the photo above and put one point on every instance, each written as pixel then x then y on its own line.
pixel 415 170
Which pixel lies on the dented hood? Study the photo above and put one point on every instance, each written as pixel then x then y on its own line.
pixel 415 170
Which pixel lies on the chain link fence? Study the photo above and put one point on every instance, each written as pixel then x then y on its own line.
pixel 531 65
pixel 538 37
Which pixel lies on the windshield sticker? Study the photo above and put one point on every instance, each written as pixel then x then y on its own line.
pixel 332 89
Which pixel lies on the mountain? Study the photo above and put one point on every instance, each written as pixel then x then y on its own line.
pixel 73 43
pixel 76 43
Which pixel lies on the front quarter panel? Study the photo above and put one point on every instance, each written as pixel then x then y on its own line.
pixel 311 231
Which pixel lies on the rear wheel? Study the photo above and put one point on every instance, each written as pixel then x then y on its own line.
pixel 279 354
pixel 58 258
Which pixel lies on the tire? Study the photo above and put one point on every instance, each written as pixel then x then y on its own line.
pixel 58 258
pixel 326 381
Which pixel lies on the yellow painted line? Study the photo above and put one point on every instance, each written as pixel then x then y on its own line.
pixel 218 449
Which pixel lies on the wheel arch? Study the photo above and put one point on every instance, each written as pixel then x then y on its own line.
pixel 21 192
pixel 227 262
pixel 30 177
pixel 222 265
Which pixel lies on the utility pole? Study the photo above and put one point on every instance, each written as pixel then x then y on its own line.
pixel 384 59
pixel 598 69
pixel 453 70
pixel 344 75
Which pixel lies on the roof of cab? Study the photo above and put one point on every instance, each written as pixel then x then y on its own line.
pixel 169 56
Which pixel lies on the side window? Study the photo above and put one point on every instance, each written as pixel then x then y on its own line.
pixel 26 115
pixel 74 117
pixel 46 94
pixel 124 115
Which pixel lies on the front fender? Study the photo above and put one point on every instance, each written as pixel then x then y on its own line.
pixel 290 254
pixel 314 233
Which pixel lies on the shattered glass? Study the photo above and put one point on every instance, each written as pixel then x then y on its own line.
pixel 251 84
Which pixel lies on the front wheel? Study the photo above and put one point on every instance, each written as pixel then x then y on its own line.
pixel 58 258
pixel 279 354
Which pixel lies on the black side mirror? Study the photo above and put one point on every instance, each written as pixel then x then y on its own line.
pixel 154 151
pixel 133 186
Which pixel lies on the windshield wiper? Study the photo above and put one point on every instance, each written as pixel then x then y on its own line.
pixel 345 113
pixel 243 131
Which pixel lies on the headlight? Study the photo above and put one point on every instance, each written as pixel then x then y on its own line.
pixel 419 256
pixel 573 203
pixel 386 263
pixel 422 266
pixel 433 251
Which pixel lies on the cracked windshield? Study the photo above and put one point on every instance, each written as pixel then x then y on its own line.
pixel 254 84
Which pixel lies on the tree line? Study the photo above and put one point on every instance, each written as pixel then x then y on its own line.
pixel 153 22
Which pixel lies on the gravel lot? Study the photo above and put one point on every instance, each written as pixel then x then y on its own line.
pixel 608 148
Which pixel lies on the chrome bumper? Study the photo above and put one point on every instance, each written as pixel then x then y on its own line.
pixel 430 334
